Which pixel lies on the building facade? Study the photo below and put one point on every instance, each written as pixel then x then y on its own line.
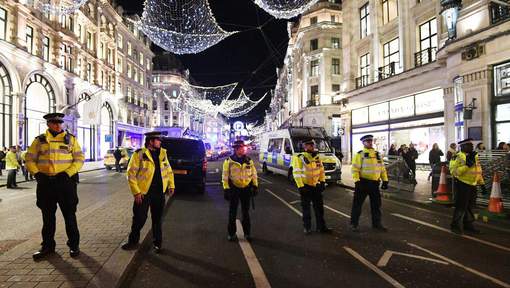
pixel 91 65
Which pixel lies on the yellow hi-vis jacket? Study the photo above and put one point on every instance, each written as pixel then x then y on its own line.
pixel 307 169
pixel 141 169
pixel 52 155
pixel 369 165
pixel 469 175
pixel 240 174
pixel 11 161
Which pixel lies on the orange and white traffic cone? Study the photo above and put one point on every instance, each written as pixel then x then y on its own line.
pixel 442 195
pixel 495 202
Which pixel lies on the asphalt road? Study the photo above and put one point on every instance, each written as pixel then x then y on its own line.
pixel 418 250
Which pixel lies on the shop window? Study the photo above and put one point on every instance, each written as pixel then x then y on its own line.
pixel 30 39
pixel 389 10
pixel 314 44
pixel 428 43
pixel 335 66
pixel 3 24
pixel 502 80
pixel 364 21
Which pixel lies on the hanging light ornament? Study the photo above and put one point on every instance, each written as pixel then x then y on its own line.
pixel 243 106
pixel 63 8
pixel 285 8
pixel 181 26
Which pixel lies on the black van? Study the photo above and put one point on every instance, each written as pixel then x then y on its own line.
pixel 188 160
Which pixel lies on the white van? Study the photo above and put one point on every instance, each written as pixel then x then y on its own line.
pixel 278 147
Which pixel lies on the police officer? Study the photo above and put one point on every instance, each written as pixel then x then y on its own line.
pixel 310 178
pixel 467 172
pixel 240 184
pixel 367 172
pixel 150 178
pixel 55 158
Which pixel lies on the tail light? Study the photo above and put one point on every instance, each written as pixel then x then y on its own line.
pixel 204 165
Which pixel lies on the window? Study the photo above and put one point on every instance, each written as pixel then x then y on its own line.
pixel 130 48
pixel 428 43
pixel 90 41
pixel 391 58
pixel 89 72
pixel 287 147
pixel 120 66
pixel 46 49
pixel 389 10
pixel 275 145
pixel 142 80
pixel 79 33
pixel 364 71
pixel 3 24
pixel 314 95
pixel 30 39
pixel 314 68
pixel 313 20
pixel 314 44
pixel 110 56
pixel 364 21
pixel 335 87
pixel 333 18
pixel 101 51
pixel 335 66
pixel 120 43
pixel 129 70
pixel 335 43
pixel 141 58
pixel 167 106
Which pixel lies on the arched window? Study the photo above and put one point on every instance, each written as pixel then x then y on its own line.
pixel 6 120
pixel 39 100
pixel 106 128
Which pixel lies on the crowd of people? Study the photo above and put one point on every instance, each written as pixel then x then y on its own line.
pixel 12 160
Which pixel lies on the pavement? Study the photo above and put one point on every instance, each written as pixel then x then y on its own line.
pixel 419 250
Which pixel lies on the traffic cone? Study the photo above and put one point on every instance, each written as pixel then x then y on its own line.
pixel 495 202
pixel 442 195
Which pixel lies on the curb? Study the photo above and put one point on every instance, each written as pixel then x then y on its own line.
pixel 116 269
pixel 85 171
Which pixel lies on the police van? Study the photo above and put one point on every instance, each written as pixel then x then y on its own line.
pixel 278 147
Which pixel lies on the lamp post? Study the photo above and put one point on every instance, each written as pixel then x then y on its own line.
pixel 450 13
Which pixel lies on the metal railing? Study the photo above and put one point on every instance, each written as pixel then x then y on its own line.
pixel 425 56
pixel 386 71
pixel 362 81
pixel 399 172
pixel 495 161
pixel 499 12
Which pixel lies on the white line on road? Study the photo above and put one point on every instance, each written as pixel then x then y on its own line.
pixel 387 256
pixel 478 273
pixel 285 202
pixel 325 206
pixel 372 267
pixel 265 180
pixel 450 232
pixel 259 277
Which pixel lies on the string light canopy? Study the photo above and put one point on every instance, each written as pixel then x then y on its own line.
pixel 285 8
pixel 62 8
pixel 181 26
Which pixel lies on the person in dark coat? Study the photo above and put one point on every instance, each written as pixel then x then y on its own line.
pixel 393 150
pixel 434 158
pixel 410 158
pixel 400 151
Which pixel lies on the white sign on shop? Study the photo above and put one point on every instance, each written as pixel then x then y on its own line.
pixel 402 107
pixel 379 112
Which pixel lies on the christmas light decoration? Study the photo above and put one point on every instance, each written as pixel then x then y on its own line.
pixel 181 26
pixel 63 8
pixel 285 8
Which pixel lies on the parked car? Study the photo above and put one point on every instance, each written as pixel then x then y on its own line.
pixel 188 160
pixel 109 159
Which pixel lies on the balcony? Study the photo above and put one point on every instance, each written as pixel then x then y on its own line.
pixel 362 81
pixel 386 71
pixel 312 103
pixel 425 56
pixel 499 12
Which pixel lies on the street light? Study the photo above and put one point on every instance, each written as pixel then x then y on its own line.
pixel 450 14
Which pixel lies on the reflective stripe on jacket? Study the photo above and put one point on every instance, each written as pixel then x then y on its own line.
pixel 240 175
pixel 11 161
pixel 468 175
pixel 307 169
pixel 141 169
pixel 368 165
pixel 52 155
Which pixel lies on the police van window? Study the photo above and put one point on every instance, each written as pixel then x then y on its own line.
pixel 321 145
pixel 275 145
pixel 288 148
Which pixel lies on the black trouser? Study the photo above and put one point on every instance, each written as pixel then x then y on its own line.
pixel 312 195
pixel 155 200
pixel 363 189
pixel 239 195
pixel 11 178
pixel 465 200
pixel 117 165
pixel 50 192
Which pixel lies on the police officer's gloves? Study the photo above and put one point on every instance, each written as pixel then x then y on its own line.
pixel 63 176
pixel 384 185
pixel 227 193
pixel 470 159
pixel 254 190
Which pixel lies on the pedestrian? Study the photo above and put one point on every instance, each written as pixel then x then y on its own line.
pixel 393 150
pixel 467 173
pixel 410 157
pixel 118 156
pixel 55 158
pixel 24 169
pixel 480 147
pixel 310 178
pixel 402 150
pixel 3 153
pixel 434 158
pixel 240 184
pixel 502 146
pixel 12 166
pixel 451 152
pixel 367 172
pixel 150 178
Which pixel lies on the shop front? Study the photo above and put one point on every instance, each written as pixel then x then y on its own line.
pixel 130 135
pixel 417 119
pixel 501 103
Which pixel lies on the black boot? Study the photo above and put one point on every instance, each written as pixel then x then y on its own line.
pixel 129 246
pixel 74 252
pixel 42 253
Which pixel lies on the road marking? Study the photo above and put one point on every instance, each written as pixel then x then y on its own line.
pixel 265 180
pixel 478 273
pixel 325 206
pixel 259 277
pixel 295 202
pixel 450 232
pixel 374 268
pixel 285 202
pixel 385 258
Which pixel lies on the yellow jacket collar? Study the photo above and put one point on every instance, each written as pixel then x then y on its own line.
pixel 60 136
pixel 162 154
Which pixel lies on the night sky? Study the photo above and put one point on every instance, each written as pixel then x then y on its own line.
pixel 250 57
